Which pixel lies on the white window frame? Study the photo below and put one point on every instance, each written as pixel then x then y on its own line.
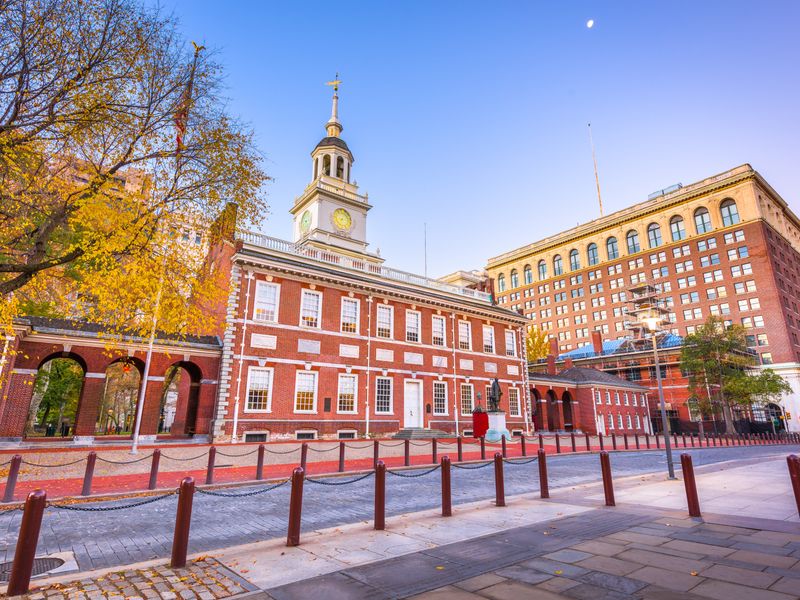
pixel 461 398
pixel 490 330
pixel 297 377
pixel 469 335
pixel 511 349
pixel 357 302
pixel 391 395
pixel 419 326
pixel 260 284
pixel 433 395
pixel 250 372
pixel 620 421
pixel 354 377
pixel 511 411
pixel 303 295
pixel 313 432
pixel 390 310
pixel 443 321
pixel 339 433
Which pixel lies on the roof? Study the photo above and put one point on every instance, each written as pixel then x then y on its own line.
pixel 610 347
pixel 334 141
pixel 582 376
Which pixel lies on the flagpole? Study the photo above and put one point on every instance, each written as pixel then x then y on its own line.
pixel 146 374
pixel 596 177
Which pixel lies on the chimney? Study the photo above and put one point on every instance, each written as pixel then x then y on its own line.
pixel 551 364
pixel 597 342
pixel 567 363
pixel 554 347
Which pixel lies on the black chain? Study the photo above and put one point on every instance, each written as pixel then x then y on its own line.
pixel 221 453
pixel 321 451
pixel 387 445
pixel 110 508
pixel 11 511
pixel 246 494
pixel 445 444
pixel 287 452
pixel 520 462
pixel 420 444
pixel 8 462
pixel 75 462
pixel 335 482
pixel 486 464
pixel 184 459
pixel 123 462
pixel 402 474
pixel 360 447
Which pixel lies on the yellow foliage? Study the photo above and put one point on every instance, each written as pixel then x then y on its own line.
pixel 537 344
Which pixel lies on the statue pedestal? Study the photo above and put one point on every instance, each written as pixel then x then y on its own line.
pixel 497 427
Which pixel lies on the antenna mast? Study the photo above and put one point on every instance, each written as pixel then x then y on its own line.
pixel 596 177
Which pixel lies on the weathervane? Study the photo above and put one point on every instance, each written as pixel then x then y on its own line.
pixel 335 83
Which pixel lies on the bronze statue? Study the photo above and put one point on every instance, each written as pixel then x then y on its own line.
pixel 493 401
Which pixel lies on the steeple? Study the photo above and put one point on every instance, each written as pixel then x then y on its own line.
pixel 334 126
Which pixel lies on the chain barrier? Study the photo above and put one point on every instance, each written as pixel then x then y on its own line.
pixel 520 462
pixel 184 459
pixel 80 508
pixel 470 467
pixel 419 444
pixel 446 444
pixel 11 511
pixel 402 474
pixel 334 482
pixel 75 462
pixel 8 462
pixel 221 453
pixel 360 447
pixel 387 445
pixel 287 452
pixel 123 462
pixel 244 495
pixel 321 451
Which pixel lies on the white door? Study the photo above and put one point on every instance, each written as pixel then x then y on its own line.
pixel 412 404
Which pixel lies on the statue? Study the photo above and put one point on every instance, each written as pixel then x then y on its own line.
pixel 493 401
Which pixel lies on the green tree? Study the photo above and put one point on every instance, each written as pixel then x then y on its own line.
pixel 58 386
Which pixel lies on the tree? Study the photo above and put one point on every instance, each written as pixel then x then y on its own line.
pixel 537 344
pixel 721 373
pixel 96 193
pixel 57 387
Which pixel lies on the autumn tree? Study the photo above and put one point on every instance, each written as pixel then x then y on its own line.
pixel 721 370
pixel 115 141
pixel 537 344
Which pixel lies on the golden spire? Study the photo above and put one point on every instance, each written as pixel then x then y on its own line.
pixel 334 126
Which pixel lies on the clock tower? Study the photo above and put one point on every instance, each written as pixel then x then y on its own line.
pixel 330 214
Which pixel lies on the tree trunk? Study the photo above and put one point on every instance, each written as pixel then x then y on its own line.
pixel 727 412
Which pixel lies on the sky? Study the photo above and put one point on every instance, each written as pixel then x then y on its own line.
pixel 470 118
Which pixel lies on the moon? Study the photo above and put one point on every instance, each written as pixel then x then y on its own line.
pixel 590 23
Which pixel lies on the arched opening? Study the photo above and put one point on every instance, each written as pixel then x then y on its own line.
pixel 558 265
pixel 536 409
pixel 116 414
pixel 612 248
pixel 654 235
pixel 632 239
pixel 729 213
pixel 340 167
pixel 542 267
pixel 592 255
pixel 180 398
pixel 702 220
pixel 566 406
pixel 514 279
pixel 677 229
pixel 528 274
pixel 56 394
pixel 552 411
pixel 774 415
pixel 326 164
pixel 574 260
pixel 501 283
pixel 316 168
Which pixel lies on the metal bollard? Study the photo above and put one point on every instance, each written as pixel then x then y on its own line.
pixel 691 439
pixel 22 567
pixel 11 481
pixel 260 462
pixel 154 470
pixel 460 444
pixel 690 485
pixel 522 445
pixel 183 520
pixel 558 445
pixel 602 444
pixel 212 457
pixel 658 441
pixel 588 442
pixel 499 484
pixel 625 440
pixel 304 455
pixel 636 439
pixel 376 453
pixel 544 488
pixel 793 462
pixel 483 448
pixel 380 496
pixel 91 459
pixel 407 452
pixel 608 484
pixel 295 508
pixel 572 441
pixel 341 457
pixel 447 498
pixel 683 436
pixel 647 440
pixel 503 445
pixel 434 451
pixel 614 441
pixel 675 440
pixel 541 441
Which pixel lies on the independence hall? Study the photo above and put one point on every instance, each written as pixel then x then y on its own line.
pixel 727 245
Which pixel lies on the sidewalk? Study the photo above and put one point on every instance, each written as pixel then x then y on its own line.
pixel 566 547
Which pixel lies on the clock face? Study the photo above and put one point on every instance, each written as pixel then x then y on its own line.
pixel 305 222
pixel 342 219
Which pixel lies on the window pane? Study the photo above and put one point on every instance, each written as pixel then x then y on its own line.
pixel 383 395
pixel 439 398
pixel 310 308
pixel 265 307
pixel 349 315
pixel 385 314
pixel 347 393
pixel 306 390
pixel 259 384
pixel 466 399
pixel 438 331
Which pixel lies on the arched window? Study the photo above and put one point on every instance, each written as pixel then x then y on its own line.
pixel 340 168
pixel 677 229
pixel 592 256
pixel 326 165
pixel 702 220
pixel 654 235
pixel 514 279
pixel 612 248
pixel 730 214
pixel 632 238
pixel 542 270
pixel 528 275
pixel 558 265
pixel 501 283
pixel 574 260
pixel 316 168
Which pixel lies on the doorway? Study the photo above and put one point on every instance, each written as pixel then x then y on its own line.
pixel 412 404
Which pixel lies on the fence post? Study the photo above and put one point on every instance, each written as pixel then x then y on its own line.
pixel 647 440
pixel 793 463
pixel 380 495
pixel 544 488
pixel 683 439
pixel 28 538
pixel 625 440
pixel 541 442
pixel 407 452
pixel 212 457
pixel 572 441
pixel 675 439
pixel 376 453
pixel 522 445
pixel 588 442
pixel 614 441
pixel 690 485
pixel 183 520
pixel 602 444
pixel 341 457
pixel 460 444
pixel 636 439
pixel 503 445
pixel 558 445
pixel 260 462
pixel 295 508
pixel 434 451
pixel 11 481
pixel 608 484
pixel 304 456
pixel 91 459
pixel 483 448
pixel 658 440
pixel 154 469
pixel 499 484
pixel 691 439
pixel 447 502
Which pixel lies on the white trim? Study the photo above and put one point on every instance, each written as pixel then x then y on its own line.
pixel 469 331
pixel 250 370
pixel 297 376
pixel 306 292
pixel 315 432
pixel 443 320
pixel 103 376
pixel 355 393
pixel 419 327
pixel 262 283
pixel 358 314
pixel 461 399
pixel 24 371
pixel 391 396
pixel 390 308
pixel 446 413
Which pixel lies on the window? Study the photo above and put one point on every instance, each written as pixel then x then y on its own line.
pixel 439 398
pixel 638 422
pixel 310 308
pixel 628 421
pixel 305 392
pixel 616 398
pixel 306 434
pixel 259 389
pixel 632 239
pixel 513 402
pixel 265 307
pixel 592 255
pixel 619 421
pixel 574 260
pixel 511 343
pixel 734 236
pixel 412 325
pixel 464 335
pixel 708 244
pixel 437 330
pixel 385 321
pixel 729 212
pixel 612 248
pixel 558 266
pixel 466 399
pixel 611 421
pixel 383 395
pixel 766 358
pixel 654 235
pixel 702 220
pixel 349 315
pixel 608 397
pixel 677 229
pixel 488 339
pixel 346 434
pixel 528 275
pixel 542 270
pixel 501 282
pixel 709 260
pixel 347 394
pixel 514 279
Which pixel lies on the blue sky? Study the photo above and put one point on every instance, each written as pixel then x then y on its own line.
pixel 472 116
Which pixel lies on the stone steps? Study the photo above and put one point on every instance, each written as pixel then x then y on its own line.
pixel 419 433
